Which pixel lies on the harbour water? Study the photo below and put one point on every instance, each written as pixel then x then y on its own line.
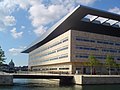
pixel 27 84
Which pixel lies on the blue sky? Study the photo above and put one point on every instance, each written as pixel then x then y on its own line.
pixel 23 21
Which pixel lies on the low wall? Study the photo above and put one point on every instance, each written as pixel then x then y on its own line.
pixel 96 79
pixel 6 80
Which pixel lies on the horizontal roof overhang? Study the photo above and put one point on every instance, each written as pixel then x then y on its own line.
pixel 74 21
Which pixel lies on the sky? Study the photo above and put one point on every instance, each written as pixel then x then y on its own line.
pixel 23 21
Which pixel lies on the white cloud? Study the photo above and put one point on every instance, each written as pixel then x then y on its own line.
pixel 9 20
pixel 24 4
pixel 22 27
pixel 6 8
pixel 16 34
pixel 85 2
pixel 42 14
pixel 16 51
pixel 39 31
pixel 115 10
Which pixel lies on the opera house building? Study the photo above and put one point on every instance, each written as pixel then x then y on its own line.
pixel 67 45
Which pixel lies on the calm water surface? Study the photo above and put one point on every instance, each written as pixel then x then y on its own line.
pixel 52 85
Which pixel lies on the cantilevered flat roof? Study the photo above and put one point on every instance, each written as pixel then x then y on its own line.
pixel 82 18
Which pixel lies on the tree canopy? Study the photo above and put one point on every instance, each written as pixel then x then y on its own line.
pixel 109 62
pixel 93 62
pixel 2 56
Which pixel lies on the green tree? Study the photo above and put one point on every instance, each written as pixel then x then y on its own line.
pixel 93 62
pixel 109 62
pixel 2 56
pixel 117 66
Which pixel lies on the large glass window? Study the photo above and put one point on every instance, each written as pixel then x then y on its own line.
pixel 109 50
pixel 105 42
pixel 81 56
pixel 84 39
pixel 63 56
pixel 86 48
pixel 62 48
pixel 87 56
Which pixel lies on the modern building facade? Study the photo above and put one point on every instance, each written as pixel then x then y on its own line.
pixel 66 46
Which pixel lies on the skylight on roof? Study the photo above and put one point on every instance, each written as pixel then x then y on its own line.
pixel 101 19
pixel 118 24
pixel 91 17
pixel 111 21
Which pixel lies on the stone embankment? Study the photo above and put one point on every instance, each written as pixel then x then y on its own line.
pixel 96 79
pixel 6 79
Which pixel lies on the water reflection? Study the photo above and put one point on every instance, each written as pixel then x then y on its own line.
pixel 101 87
pixel 39 84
